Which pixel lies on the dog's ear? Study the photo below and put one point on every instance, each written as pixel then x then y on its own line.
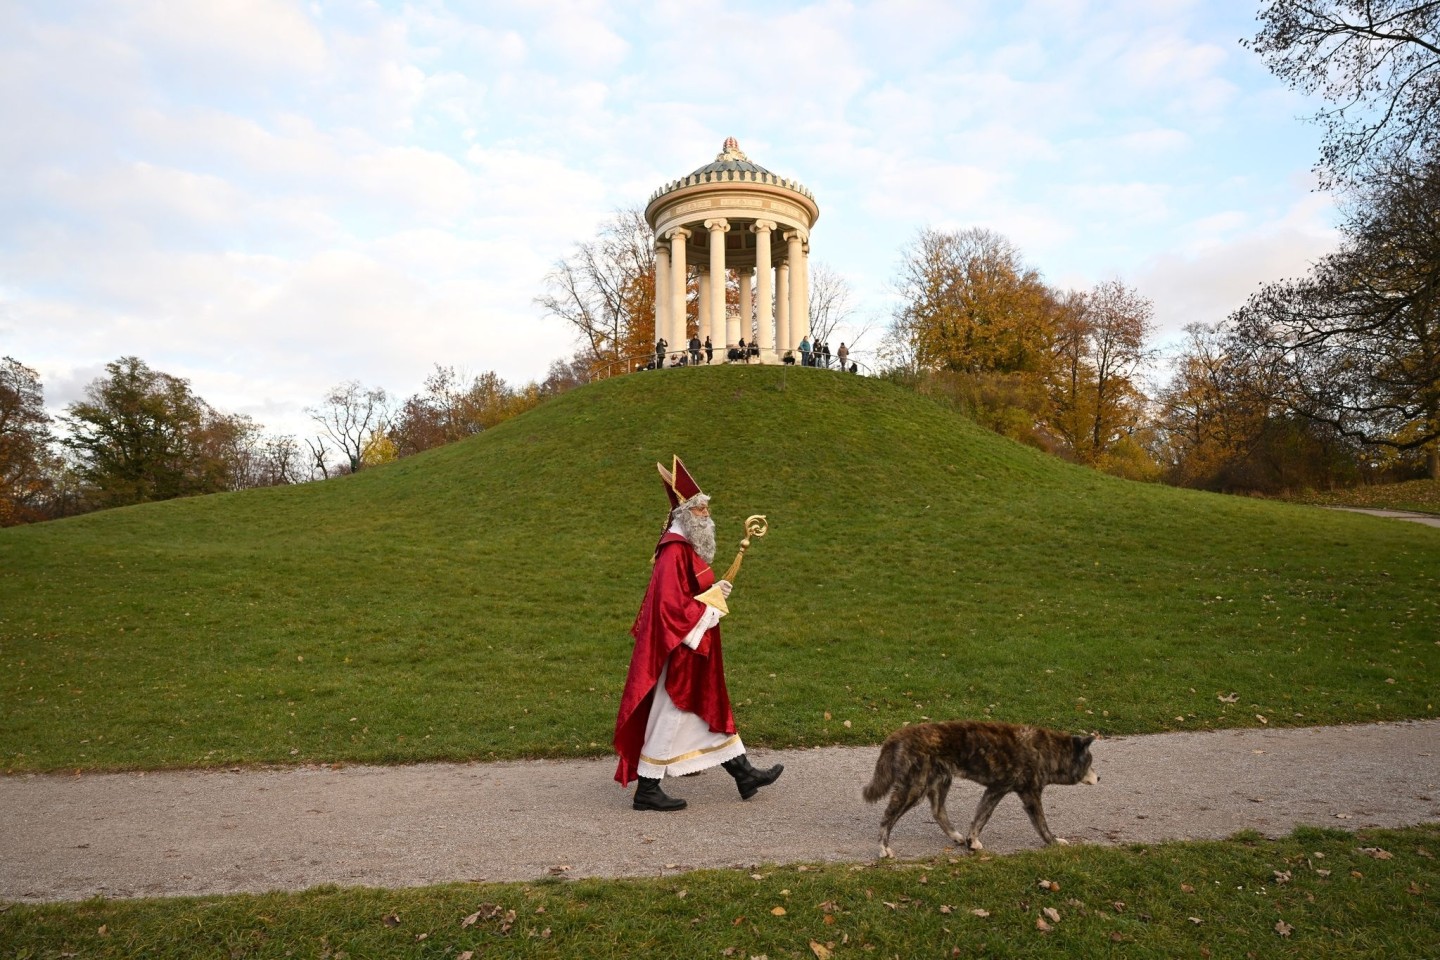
pixel 1082 743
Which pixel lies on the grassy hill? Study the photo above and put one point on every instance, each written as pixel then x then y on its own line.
pixel 475 601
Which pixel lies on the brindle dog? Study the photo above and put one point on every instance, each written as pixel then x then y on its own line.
pixel 921 760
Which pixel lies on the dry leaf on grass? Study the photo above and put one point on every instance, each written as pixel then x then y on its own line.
pixel 1377 853
pixel 821 951
pixel 1041 925
pixel 1283 928
pixel 1052 914
pixel 980 912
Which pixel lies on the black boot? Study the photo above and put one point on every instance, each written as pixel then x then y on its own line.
pixel 747 778
pixel 649 796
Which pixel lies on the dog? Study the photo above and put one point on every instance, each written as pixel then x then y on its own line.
pixel 921 760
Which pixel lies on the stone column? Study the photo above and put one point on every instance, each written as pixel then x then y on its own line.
pixel 764 271
pixel 663 294
pixel 679 286
pixel 739 325
pixel 799 317
pixel 805 289
pixel 702 307
pixel 782 308
pixel 718 228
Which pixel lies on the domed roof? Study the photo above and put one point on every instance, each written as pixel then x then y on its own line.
pixel 731 157
pixel 731 165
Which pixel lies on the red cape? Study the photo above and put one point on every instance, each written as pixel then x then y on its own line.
pixel 696 679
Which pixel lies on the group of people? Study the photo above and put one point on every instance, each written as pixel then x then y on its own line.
pixel 690 356
pixel 817 355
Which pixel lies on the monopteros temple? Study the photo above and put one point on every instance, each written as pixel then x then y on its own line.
pixel 734 216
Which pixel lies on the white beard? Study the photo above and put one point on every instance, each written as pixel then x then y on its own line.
pixel 700 531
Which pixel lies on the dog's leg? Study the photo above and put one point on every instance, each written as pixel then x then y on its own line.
pixel 988 802
pixel 938 791
pixel 907 793
pixel 1031 800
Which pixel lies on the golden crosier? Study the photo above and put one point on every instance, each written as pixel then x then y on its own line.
pixel 755 526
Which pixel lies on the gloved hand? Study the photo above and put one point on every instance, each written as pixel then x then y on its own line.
pixel 725 587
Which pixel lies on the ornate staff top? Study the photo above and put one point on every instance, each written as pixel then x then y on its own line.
pixel 755 526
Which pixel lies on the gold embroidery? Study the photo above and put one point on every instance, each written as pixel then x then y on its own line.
pixel 691 755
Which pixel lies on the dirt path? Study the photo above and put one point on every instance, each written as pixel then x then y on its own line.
pixel 156 834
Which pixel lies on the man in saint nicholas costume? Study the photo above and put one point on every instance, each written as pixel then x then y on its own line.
pixel 675 715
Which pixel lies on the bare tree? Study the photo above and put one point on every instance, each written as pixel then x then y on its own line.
pixel 606 289
pixel 351 416
pixel 1378 61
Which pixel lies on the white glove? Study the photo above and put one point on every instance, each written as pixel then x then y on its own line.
pixel 725 587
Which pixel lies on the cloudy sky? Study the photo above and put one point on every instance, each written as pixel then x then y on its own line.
pixel 270 197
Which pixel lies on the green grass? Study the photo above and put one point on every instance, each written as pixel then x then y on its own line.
pixel 1315 894
pixel 474 602
pixel 1420 496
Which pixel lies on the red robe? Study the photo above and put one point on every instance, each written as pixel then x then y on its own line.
pixel 696 678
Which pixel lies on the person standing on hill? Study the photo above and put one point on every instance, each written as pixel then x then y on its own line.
pixel 844 356
pixel 675 716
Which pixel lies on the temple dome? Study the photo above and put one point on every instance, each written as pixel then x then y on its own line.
pixel 731 165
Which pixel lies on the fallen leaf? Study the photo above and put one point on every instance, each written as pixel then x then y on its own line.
pixel 778 911
pixel 559 868
pixel 1052 913
pixel 104 930
pixel 421 936
pixel 1049 885
pixel 979 912
pixel 1186 888
pixel 1196 920
pixel 1261 718
pixel 1377 853
pixel 821 951
pixel 392 920
pixel 1342 816
pixel 1041 925
pixel 1230 699
pixel 829 919
pixel 1283 928
pixel 827 714
pixel 1282 876
pixel 1413 889
pixel 944 908
pixel 1322 872
pixel 1116 936
pixel 682 894
pixel 1119 906
pixel 467 955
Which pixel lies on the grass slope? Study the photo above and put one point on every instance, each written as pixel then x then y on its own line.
pixel 474 601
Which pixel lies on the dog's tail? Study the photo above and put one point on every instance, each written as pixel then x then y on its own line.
pixel 884 777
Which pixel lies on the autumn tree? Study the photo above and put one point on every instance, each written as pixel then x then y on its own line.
pixel 142 435
pixel 605 290
pixel 453 406
pixel 28 464
pixel 1376 61
pixel 1100 348
pixel 350 416
pixel 969 303
pixel 1355 344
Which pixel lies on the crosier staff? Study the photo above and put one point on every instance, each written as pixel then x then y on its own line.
pixel 755 526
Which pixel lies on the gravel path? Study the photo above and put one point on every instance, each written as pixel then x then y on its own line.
pixel 161 834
